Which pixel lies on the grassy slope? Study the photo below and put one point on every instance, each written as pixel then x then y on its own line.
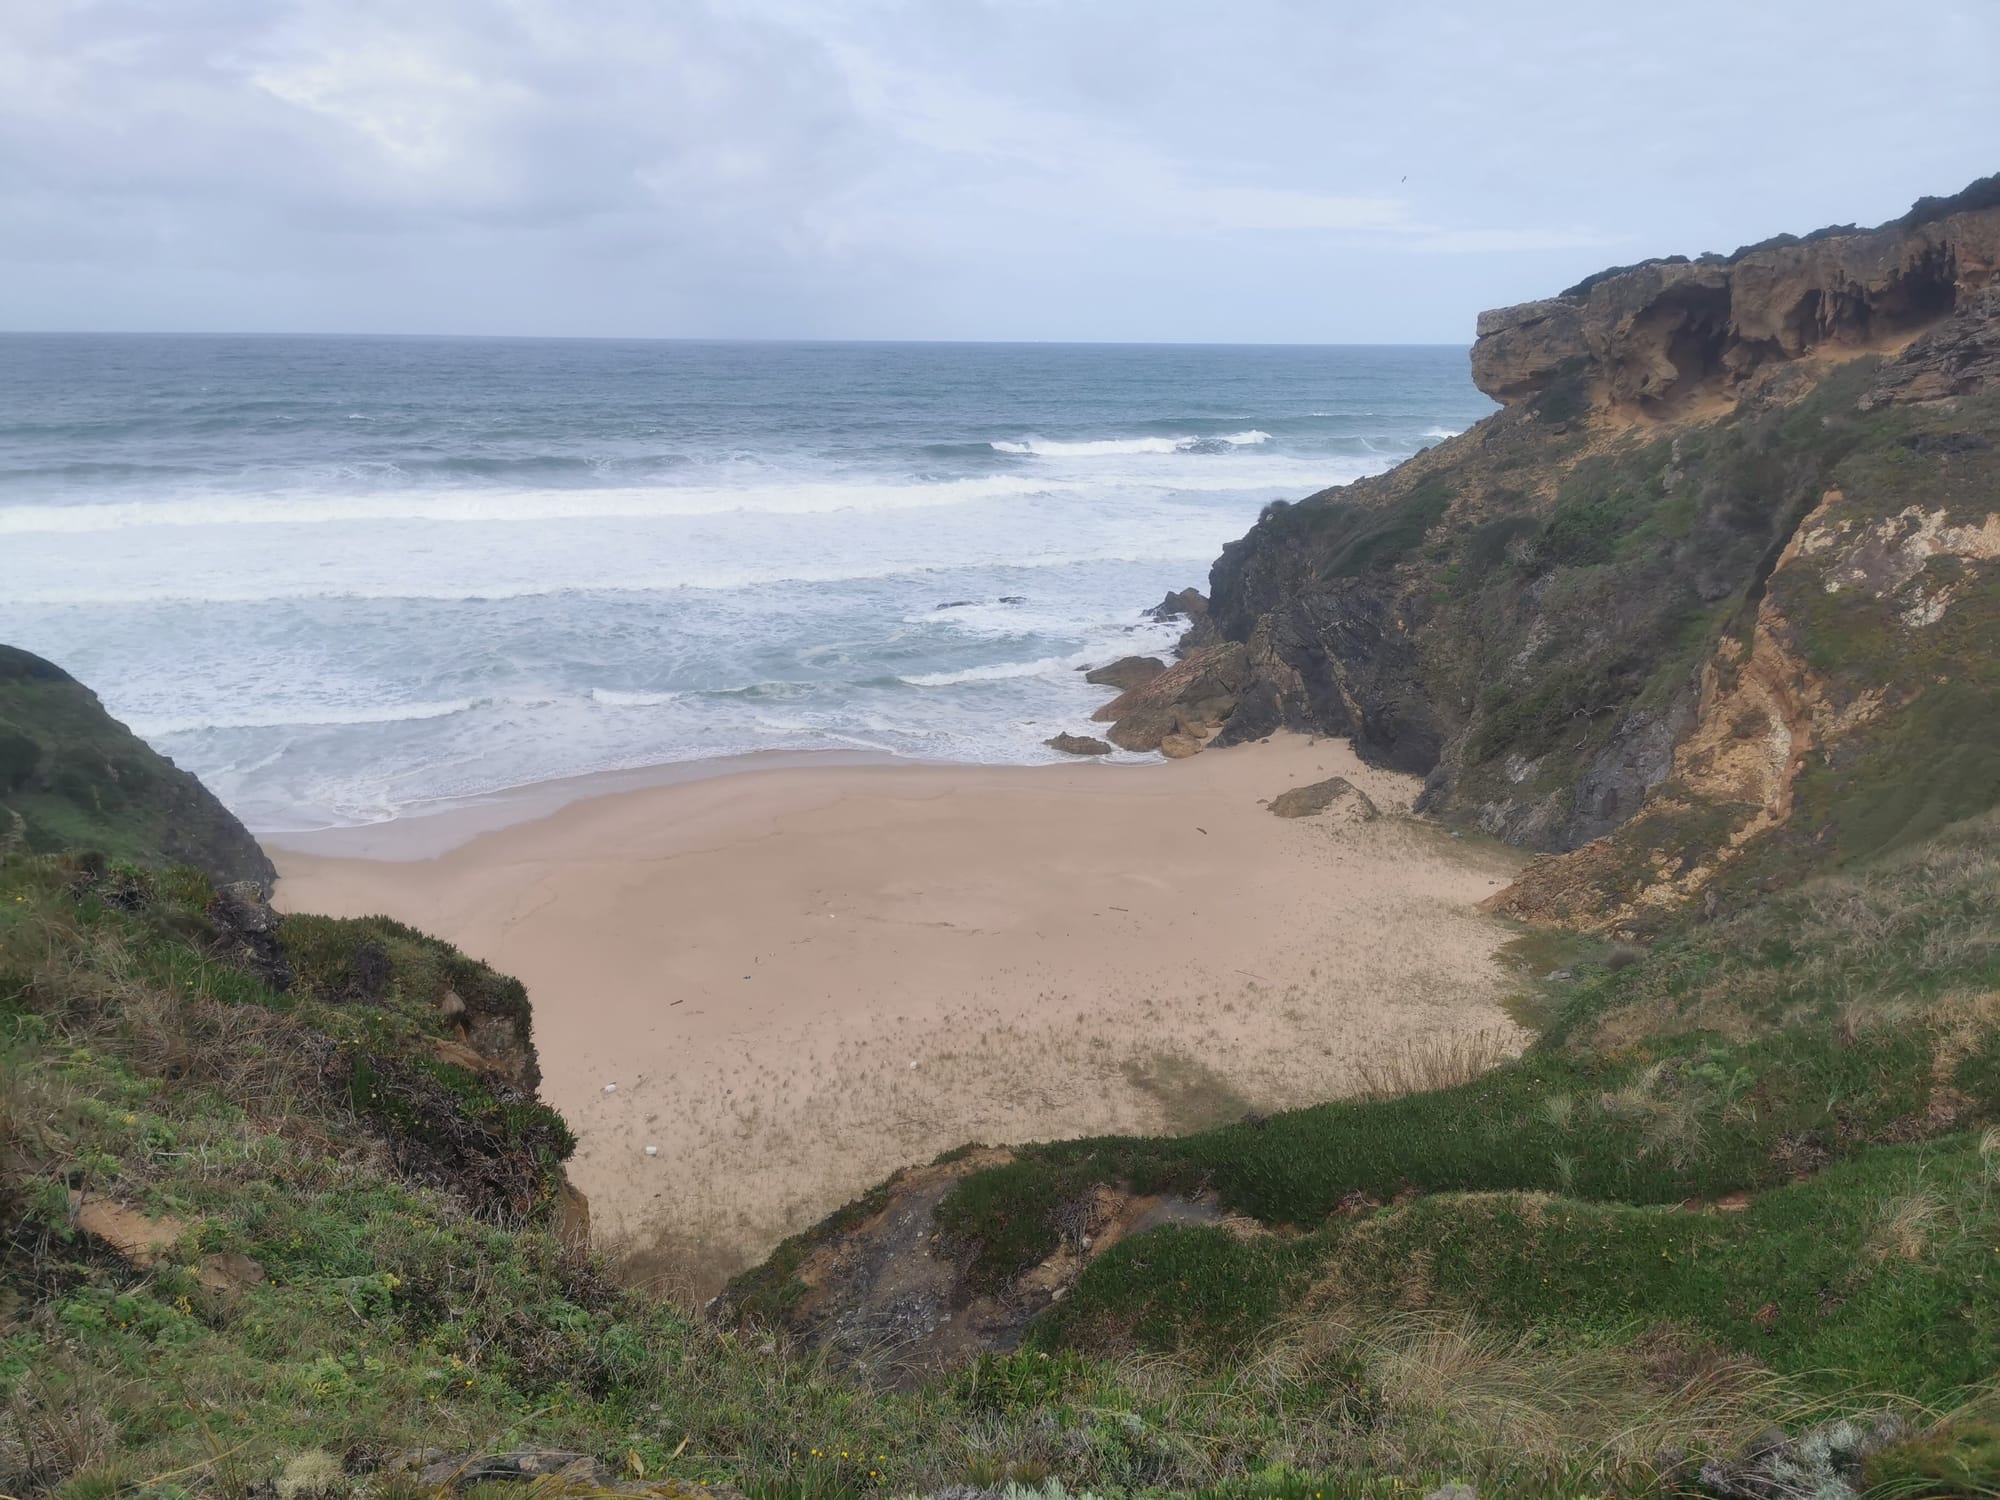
pixel 74 778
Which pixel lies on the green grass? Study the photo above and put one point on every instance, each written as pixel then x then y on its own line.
pixel 73 778
pixel 1683 1116
pixel 1872 1275
pixel 1350 540
pixel 1880 940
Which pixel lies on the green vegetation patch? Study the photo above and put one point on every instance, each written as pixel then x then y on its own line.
pixel 1346 539
pixel 73 778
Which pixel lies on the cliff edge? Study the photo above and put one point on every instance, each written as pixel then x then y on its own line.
pixel 1723 559
pixel 1656 333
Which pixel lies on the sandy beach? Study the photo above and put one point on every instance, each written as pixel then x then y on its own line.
pixel 802 978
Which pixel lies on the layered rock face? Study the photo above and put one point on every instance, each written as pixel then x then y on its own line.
pixel 1656 333
pixel 1728 532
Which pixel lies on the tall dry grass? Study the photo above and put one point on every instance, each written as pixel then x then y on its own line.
pixel 1434 1062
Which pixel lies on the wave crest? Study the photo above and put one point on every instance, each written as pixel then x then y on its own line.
pixel 1046 666
pixel 1039 447
pixel 306 717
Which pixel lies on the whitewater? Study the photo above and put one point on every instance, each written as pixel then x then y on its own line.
pixel 348 579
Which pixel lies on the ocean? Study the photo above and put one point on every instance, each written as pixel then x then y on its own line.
pixel 346 579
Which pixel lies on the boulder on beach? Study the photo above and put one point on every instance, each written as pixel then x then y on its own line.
pixel 1078 744
pixel 1126 673
pixel 1336 792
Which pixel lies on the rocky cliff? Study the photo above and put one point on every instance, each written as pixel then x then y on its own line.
pixel 1653 334
pixel 1729 534
pixel 73 777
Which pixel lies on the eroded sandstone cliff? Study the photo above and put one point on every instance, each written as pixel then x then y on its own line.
pixel 1653 334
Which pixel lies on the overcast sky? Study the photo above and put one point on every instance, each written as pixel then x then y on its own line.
pixel 1256 170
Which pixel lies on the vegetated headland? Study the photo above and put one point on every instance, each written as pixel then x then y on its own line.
pixel 1706 618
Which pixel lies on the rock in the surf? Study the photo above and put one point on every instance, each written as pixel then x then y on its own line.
pixel 1078 744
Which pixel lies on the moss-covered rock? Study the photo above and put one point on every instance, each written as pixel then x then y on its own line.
pixel 74 778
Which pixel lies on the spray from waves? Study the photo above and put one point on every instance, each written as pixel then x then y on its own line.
pixel 1038 447
pixel 1442 432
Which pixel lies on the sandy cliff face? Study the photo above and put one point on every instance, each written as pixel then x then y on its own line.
pixel 1660 332
pixel 1727 533
pixel 1866 658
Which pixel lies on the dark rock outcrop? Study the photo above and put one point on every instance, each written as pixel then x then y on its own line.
pixel 74 778
pixel 1958 357
pixel 1183 604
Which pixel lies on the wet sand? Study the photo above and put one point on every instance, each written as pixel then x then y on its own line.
pixel 801 978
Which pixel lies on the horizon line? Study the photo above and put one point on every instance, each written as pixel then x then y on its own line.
pixel 676 338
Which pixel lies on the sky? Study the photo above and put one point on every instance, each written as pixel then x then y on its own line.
pixel 1309 171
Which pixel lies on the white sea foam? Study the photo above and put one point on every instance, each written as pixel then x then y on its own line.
pixel 308 716
pixel 1045 666
pixel 224 509
pixel 487 506
pixel 614 698
pixel 412 605
pixel 252 590
pixel 1039 447
pixel 1442 432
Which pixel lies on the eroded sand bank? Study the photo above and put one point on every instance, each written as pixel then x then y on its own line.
pixel 801 979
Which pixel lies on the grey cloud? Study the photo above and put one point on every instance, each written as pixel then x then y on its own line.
pixel 992 168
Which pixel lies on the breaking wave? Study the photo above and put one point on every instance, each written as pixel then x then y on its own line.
pixel 1038 447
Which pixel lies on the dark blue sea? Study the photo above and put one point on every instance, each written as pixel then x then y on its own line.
pixel 346 578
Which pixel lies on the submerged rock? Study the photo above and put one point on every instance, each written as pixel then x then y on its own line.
pixel 1078 744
